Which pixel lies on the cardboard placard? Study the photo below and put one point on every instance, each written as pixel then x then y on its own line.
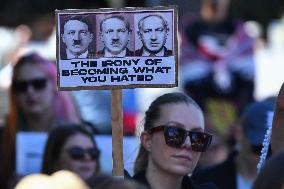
pixel 117 48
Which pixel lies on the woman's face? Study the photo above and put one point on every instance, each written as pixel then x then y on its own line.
pixel 178 161
pixel 83 165
pixel 34 90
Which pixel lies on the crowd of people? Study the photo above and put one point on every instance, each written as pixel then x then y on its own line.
pixel 171 145
pixel 211 133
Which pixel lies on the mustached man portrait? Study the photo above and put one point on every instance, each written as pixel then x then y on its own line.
pixel 115 34
pixel 77 37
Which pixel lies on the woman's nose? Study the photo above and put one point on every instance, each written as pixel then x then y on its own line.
pixel 187 143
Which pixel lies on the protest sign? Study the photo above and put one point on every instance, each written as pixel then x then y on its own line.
pixel 117 48
pixel 133 47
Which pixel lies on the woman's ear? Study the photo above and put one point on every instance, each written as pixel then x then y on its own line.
pixel 145 139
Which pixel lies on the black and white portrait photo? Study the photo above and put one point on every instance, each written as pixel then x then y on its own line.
pixel 110 48
pixel 115 36
pixel 76 37
pixel 154 35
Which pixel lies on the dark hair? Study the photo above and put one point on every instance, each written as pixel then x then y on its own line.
pixel 82 18
pixel 152 114
pixel 266 178
pixel 55 142
pixel 119 17
pixel 164 22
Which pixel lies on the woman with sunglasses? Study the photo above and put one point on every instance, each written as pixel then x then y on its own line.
pixel 171 143
pixel 35 105
pixel 71 147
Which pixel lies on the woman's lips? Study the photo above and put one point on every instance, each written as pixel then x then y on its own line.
pixel 31 102
pixel 87 169
pixel 183 157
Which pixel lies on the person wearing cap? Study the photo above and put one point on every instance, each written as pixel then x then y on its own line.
pixel 238 171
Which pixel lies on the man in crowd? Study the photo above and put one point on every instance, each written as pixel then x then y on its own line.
pixel 240 169
pixel 115 34
pixel 153 32
pixel 77 36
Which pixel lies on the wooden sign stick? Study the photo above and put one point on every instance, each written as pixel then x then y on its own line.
pixel 117 132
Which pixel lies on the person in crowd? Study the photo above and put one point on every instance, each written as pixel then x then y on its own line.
pixel 171 143
pixel 277 138
pixel 240 166
pixel 115 34
pixel 267 178
pixel 217 152
pixel 153 31
pixel 71 147
pixel 217 58
pixel 76 36
pixel 35 105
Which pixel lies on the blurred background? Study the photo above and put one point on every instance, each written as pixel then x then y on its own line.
pixel 231 54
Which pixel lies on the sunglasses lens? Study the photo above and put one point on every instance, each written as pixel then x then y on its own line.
pixel 38 84
pixel 174 136
pixel 200 141
pixel 94 153
pixel 76 153
pixel 20 86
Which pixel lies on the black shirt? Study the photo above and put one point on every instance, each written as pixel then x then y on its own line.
pixel 187 182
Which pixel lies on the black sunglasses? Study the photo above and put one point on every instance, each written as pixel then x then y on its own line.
pixel 175 137
pixel 78 153
pixel 22 86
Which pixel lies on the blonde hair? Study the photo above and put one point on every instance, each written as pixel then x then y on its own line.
pixel 59 180
pixel 152 114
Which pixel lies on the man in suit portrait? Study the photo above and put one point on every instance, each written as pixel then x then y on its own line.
pixel 152 31
pixel 76 36
pixel 115 34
